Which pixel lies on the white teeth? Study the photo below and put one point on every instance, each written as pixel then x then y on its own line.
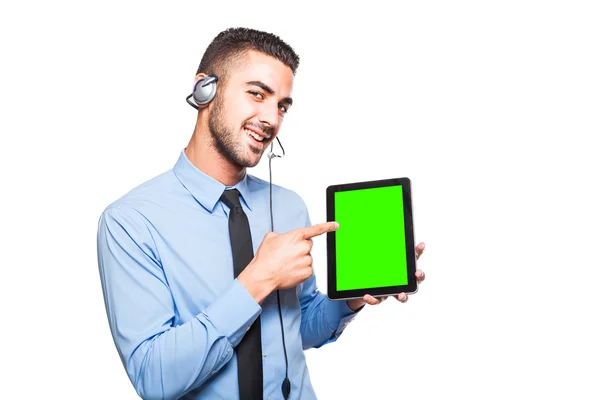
pixel 254 135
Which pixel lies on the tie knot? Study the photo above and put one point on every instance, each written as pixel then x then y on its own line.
pixel 231 197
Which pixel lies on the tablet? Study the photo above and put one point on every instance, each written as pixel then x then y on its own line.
pixel 373 250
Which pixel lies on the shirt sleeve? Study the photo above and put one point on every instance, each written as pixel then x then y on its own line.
pixel 162 360
pixel 323 319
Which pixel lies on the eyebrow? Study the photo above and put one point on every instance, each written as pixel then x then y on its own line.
pixel 267 89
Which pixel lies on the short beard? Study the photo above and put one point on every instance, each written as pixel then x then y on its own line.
pixel 225 139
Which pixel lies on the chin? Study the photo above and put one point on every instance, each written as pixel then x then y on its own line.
pixel 253 163
pixel 252 158
pixel 249 161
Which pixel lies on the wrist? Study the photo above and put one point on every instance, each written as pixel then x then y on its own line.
pixel 258 285
pixel 355 304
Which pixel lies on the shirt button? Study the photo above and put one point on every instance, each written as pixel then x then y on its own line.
pixel 264 354
pixel 270 398
pixel 214 372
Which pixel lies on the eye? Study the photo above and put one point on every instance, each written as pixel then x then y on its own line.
pixel 283 109
pixel 257 95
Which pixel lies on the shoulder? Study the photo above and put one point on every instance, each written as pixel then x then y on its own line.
pixel 288 205
pixel 136 202
pixel 289 197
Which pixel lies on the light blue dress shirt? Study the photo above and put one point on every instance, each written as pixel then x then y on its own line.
pixel 174 309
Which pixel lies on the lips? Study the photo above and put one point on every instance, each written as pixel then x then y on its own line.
pixel 256 134
pixel 254 143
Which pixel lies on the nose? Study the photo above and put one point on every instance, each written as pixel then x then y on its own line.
pixel 269 114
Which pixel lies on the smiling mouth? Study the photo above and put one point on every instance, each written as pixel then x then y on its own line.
pixel 255 135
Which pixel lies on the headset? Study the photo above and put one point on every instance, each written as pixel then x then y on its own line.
pixel 203 93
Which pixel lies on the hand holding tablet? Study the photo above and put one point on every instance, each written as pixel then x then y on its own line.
pixel 402 297
pixel 373 251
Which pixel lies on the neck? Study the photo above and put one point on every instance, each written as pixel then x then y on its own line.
pixel 202 152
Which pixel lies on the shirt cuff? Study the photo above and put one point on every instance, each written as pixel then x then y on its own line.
pixel 339 315
pixel 233 312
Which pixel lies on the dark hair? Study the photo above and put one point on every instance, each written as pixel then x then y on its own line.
pixel 229 47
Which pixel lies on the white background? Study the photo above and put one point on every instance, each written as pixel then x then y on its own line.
pixel 491 108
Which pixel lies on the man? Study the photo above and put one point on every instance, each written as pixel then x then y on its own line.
pixel 188 321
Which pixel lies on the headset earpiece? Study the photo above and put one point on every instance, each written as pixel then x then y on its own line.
pixel 205 90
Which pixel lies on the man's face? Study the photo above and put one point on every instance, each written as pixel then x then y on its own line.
pixel 246 115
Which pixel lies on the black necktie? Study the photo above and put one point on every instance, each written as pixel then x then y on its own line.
pixel 249 351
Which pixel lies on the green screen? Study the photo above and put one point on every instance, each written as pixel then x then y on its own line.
pixel 369 244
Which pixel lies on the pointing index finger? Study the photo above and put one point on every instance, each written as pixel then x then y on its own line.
pixel 318 229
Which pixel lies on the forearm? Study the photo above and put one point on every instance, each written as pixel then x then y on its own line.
pixel 195 350
pixel 323 320
pixel 179 359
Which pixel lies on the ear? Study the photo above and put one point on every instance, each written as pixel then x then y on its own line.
pixel 209 92
pixel 199 76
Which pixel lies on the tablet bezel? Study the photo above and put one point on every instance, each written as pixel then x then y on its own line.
pixel 411 287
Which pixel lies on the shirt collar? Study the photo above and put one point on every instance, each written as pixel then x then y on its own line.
pixel 204 188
